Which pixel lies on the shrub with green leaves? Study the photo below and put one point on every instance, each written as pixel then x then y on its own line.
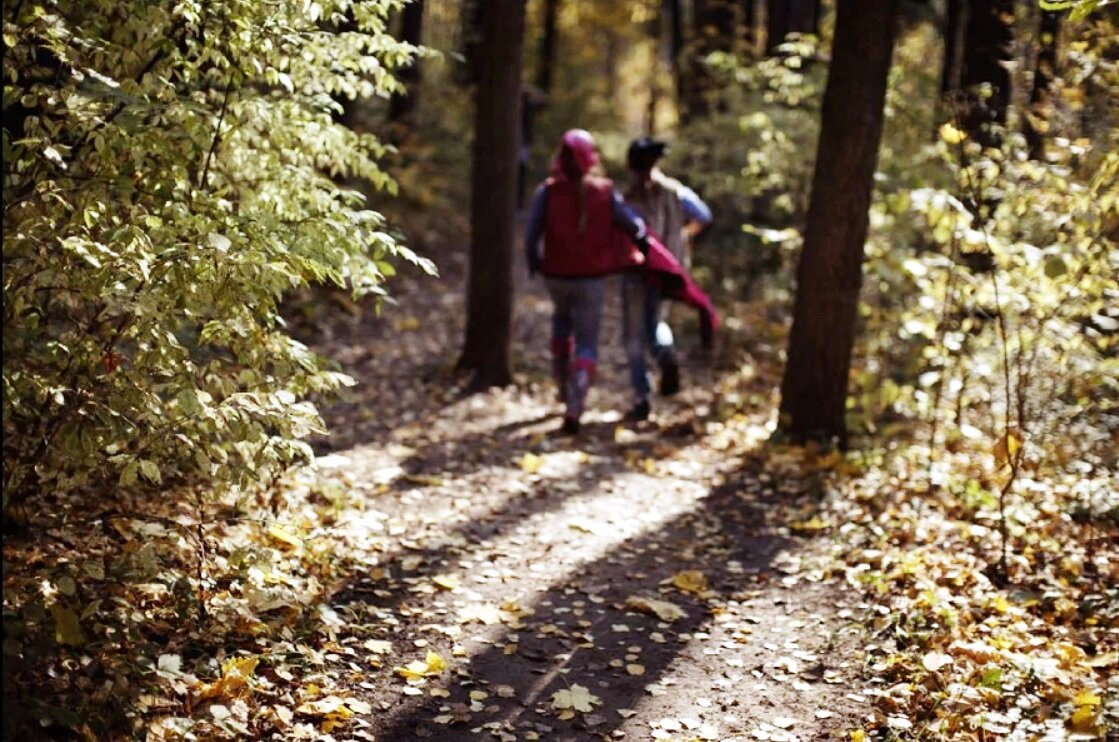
pixel 170 171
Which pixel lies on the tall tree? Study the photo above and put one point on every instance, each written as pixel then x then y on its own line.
pixel 985 74
pixel 471 19
pixel 403 104
pixel 1045 70
pixel 829 275
pixel 789 16
pixel 714 30
pixel 493 185
pixel 955 23
pixel 674 12
pixel 750 25
pixel 547 57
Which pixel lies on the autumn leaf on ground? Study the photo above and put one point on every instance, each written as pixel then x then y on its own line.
pixel 284 538
pixel 576 698
pixel 662 609
pixel 234 680
pixel 417 670
pixel 690 581
pixel 531 463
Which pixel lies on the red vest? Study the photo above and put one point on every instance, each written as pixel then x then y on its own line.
pixel 599 249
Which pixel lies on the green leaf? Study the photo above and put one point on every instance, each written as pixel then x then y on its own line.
pixel 67 626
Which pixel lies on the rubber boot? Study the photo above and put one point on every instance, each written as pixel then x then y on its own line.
pixel 561 360
pixel 578 385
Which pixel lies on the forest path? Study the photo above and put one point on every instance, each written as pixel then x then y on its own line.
pixel 649 582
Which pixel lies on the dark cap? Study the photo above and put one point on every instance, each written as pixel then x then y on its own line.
pixel 644 152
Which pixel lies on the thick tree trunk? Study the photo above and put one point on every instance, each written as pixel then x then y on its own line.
pixel 789 16
pixel 987 52
pixel 829 275
pixel 1044 71
pixel 402 105
pixel 546 62
pixel 493 185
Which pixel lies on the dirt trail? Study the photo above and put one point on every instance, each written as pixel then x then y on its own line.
pixel 645 577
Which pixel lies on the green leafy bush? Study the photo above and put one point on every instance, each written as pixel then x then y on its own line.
pixel 169 173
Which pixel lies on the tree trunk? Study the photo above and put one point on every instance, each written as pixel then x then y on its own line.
pixel 750 26
pixel 1045 70
pixel 987 52
pixel 472 20
pixel 544 71
pixel 402 105
pixel 955 23
pixel 676 46
pixel 789 16
pixel 489 318
pixel 829 275
pixel 715 29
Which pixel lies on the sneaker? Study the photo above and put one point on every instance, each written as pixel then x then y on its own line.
pixel 670 376
pixel 639 412
pixel 570 426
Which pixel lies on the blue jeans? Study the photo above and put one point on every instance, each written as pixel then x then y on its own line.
pixel 577 311
pixel 643 325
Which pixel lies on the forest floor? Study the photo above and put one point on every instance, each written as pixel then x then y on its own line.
pixel 636 581
pixel 452 568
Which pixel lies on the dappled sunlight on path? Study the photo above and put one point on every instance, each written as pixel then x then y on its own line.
pixel 638 582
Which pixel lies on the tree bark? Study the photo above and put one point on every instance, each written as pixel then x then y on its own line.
pixel 544 72
pixel 955 23
pixel 829 274
pixel 676 45
pixel 749 26
pixel 715 29
pixel 471 23
pixel 987 52
pixel 789 16
pixel 489 319
pixel 402 105
pixel 1044 71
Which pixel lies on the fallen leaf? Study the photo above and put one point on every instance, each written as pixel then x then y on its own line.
pixel 662 609
pixel 431 665
pixel 576 697
pixel 690 581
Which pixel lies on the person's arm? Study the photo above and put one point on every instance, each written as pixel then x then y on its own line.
pixel 697 214
pixel 627 220
pixel 534 229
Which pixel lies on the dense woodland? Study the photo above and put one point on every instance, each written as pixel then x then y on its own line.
pixel 281 452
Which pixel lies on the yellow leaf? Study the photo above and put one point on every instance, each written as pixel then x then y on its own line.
pixel 284 538
pixel 1006 448
pixel 662 609
pixel 234 680
pixel 858 735
pixel 447 582
pixel 811 525
pixel 329 706
pixel 1084 720
pixel 951 134
pixel 576 698
pixel 690 581
pixel 433 664
pixel 1086 698
pixel 531 463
